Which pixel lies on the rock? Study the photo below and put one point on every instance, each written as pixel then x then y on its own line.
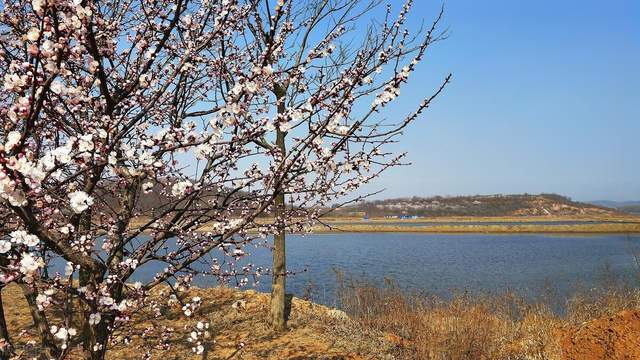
pixel 337 314
pixel 239 304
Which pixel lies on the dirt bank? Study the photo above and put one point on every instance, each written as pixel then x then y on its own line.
pixel 615 337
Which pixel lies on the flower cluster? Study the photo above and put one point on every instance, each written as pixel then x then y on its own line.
pixel 199 333
pixel 63 334
pixel 191 306
pixel 80 201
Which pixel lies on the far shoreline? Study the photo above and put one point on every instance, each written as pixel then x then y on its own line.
pixel 477 231
pixel 589 225
pixel 469 225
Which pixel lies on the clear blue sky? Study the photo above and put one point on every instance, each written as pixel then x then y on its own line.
pixel 545 98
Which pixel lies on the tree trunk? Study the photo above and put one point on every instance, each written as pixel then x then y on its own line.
pixel 88 338
pixel 94 337
pixel 5 353
pixel 99 333
pixel 98 337
pixel 279 276
pixel 86 279
pixel 49 349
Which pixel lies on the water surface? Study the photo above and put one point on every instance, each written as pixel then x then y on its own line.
pixel 440 263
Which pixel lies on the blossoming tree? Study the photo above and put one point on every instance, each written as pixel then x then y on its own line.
pixel 140 132
pixel 325 98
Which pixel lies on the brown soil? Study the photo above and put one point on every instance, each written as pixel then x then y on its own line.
pixel 616 338
pixel 239 331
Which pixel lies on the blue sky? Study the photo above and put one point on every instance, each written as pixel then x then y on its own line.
pixel 545 98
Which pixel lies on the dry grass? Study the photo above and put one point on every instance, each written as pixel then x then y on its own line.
pixel 385 323
pixel 236 332
pixel 479 326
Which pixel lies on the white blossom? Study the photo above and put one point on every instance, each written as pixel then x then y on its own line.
pixel 80 201
pixel 43 301
pixel 62 154
pixel 238 252
pixel 13 82
pixel 112 159
pixel 405 72
pixel 13 138
pixel 48 161
pixel 68 269
pixel 63 333
pixel 65 229
pixel 144 80
pixel 180 188
pixel 58 88
pixel 33 34
pixel 147 187
pixel 106 301
pixel 23 237
pixel 38 5
pixel 85 143
pixel 29 264
pixel 31 240
pixel 251 87
pixel 267 70
pixel 5 246
pixel 202 151
pixel 94 319
pixel 284 126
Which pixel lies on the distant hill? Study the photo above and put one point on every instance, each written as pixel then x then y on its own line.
pixel 478 205
pixel 631 207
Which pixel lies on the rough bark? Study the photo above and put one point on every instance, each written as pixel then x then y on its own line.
pixel 278 285
pixel 49 349
pixel 5 352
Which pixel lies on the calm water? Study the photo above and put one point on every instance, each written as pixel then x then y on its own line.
pixel 442 263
